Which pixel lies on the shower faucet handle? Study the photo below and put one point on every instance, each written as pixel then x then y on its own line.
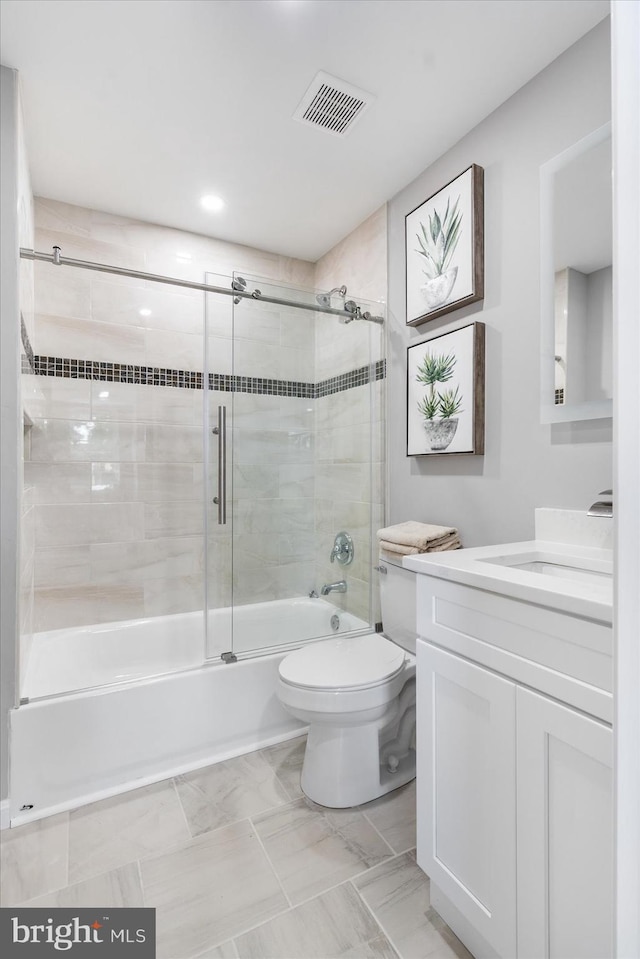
pixel 343 549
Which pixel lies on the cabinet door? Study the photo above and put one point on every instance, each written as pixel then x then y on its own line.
pixel 467 791
pixel 565 832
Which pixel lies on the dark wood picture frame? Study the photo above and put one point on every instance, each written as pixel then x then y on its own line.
pixel 442 371
pixel 444 249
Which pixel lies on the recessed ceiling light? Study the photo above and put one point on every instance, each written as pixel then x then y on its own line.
pixel 213 204
pixel 144 311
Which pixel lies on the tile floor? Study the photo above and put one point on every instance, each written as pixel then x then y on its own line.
pixel 240 865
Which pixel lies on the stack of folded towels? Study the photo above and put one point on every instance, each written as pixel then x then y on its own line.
pixel 406 538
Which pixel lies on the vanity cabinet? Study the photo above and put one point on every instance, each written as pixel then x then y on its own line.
pixel 564 838
pixel 514 779
pixel 466 780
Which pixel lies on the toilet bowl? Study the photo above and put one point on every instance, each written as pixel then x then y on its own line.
pixel 357 695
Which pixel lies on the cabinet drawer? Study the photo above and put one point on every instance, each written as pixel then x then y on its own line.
pixel 517 639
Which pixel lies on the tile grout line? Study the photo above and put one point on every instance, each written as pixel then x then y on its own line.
pixel 375 829
pixel 141 881
pixel 292 908
pixel 376 919
pixel 343 882
pixel 182 809
pixel 268 858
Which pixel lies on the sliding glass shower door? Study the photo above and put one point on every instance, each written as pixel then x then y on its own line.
pixel 303 463
pixel 190 458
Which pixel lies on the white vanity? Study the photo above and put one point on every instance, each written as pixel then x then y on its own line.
pixel 514 695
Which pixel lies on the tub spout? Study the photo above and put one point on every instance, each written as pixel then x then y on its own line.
pixel 339 587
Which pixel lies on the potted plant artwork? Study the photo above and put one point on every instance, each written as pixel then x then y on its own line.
pixel 439 407
pixel 437 244
pixel 444 248
pixel 445 393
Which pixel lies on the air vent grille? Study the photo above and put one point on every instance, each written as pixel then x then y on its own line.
pixel 332 105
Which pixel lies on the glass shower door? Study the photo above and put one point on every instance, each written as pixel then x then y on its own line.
pixel 218 399
pixel 307 464
pixel 273 467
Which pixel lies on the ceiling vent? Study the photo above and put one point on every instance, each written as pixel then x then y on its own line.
pixel 332 105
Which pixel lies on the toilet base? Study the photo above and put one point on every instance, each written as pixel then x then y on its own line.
pixel 342 766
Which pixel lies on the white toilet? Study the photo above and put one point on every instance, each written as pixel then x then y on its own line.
pixel 358 696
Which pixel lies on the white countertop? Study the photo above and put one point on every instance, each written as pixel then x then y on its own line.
pixel 487 568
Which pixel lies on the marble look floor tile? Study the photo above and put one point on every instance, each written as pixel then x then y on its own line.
pixel 229 791
pixel 211 889
pixel 394 816
pixel 226 951
pixel 286 761
pixel 313 849
pixel 335 924
pixel 115 831
pixel 34 859
pixel 379 948
pixel 120 888
pixel 397 892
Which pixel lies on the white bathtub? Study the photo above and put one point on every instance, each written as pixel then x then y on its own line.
pixel 155 710
pixel 83 657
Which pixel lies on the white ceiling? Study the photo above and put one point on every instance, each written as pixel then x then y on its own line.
pixel 138 107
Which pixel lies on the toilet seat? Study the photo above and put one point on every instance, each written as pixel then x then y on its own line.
pixel 361 662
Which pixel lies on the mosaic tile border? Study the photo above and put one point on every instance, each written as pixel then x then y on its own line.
pixel 185 379
pixel 260 385
pixel 28 358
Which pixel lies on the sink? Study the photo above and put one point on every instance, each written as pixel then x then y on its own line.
pixel 565 572
pixel 566 577
pixel 580 570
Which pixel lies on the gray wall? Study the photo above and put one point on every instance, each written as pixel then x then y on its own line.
pixel 492 498
pixel 10 490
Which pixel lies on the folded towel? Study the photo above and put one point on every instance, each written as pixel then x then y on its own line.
pixel 446 543
pixel 420 536
pixel 397 551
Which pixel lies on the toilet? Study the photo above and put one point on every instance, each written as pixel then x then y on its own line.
pixel 358 696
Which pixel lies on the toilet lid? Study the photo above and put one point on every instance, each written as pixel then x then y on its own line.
pixel 343 663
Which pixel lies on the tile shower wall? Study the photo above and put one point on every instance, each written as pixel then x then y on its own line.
pixel 116 467
pixel 350 488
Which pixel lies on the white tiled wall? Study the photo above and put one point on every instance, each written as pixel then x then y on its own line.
pixel 116 469
pixel 350 487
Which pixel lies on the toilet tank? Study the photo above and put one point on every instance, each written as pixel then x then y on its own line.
pixel 398 602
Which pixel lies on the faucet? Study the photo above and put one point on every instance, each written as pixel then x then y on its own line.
pixel 602 507
pixel 339 587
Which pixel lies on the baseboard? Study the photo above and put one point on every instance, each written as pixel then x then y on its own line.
pixel 5 820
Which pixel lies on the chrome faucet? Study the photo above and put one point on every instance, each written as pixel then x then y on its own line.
pixel 602 507
pixel 339 587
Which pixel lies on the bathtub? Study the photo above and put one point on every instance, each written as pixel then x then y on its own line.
pixel 112 707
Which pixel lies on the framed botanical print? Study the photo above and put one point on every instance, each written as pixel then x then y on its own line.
pixel 445 393
pixel 444 240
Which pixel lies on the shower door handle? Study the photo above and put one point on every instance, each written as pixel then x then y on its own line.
pixel 221 498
